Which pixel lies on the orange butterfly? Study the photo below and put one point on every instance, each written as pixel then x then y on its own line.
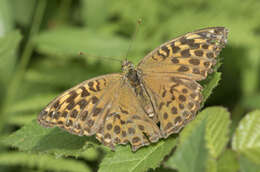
pixel 143 103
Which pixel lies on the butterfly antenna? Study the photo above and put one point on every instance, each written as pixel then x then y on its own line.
pixel 99 57
pixel 139 21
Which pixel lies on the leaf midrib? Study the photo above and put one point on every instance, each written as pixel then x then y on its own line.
pixel 142 159
pixel 153 150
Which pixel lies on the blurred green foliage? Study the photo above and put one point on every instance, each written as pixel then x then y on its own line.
pixel 40 42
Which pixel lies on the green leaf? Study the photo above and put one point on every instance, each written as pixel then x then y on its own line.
pixel 209 84
pixel 94 13
pixel 248 166
pixel 32 103
pixel 218 123
pixel 21 119
pixel 91 154
pixel 50 71
pixel 187 131
pixel 45 162
pixel 8 45
pixel 23 11
pixel 247 137
pixel 192 154
pixel 216 135
pixel 6 17
pixel 35 138
pixel 123 159
pixel 69 41
pixel 228 162
pixel 211 165
pixel 217 129
pixel 252 101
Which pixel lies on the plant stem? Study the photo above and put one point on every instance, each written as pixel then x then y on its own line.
pixel 25 58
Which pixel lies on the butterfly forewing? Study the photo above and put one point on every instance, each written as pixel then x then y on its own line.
pixel 77 108
pixel 191 55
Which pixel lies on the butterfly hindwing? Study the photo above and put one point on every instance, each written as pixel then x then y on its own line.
pixel 126 122
pixel 176 100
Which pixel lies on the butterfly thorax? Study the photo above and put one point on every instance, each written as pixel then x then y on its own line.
pixel 130 73
pixel 132 76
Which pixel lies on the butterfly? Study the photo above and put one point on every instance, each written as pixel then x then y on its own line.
pixel 144 103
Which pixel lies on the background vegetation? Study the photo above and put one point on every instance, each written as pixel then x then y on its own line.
pixel 40 41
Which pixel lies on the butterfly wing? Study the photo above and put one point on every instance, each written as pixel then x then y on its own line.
pixel 176 100
pixel 191 55
pixel 126 121
pixel 76 109
pixel 105 106
pixel 170 72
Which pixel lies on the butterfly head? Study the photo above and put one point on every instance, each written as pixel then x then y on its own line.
pixel 127 66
